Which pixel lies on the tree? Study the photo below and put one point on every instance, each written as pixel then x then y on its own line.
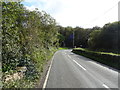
pixel 25 34
pixel 94 39
pixel 107 38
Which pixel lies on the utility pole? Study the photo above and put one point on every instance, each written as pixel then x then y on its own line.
pixel 73 38
pixel 119 11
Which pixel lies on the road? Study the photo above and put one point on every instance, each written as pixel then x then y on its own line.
pixel 69 70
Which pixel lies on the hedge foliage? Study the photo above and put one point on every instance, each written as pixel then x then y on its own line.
pixel 29 38
pixel 109 59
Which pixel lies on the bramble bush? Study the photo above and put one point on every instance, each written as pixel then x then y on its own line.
pixel 29 39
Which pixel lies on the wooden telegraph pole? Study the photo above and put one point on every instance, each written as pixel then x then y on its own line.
pixel 73 38
pixel 119 11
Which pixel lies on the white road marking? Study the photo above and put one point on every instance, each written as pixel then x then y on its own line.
pixel 103 67
pixel 69 56
pixel 105 86
pixel 46 79
pixel 79 65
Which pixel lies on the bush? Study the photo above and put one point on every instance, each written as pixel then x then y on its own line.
pixel 27 40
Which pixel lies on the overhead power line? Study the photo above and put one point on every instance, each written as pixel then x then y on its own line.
pixel 104 13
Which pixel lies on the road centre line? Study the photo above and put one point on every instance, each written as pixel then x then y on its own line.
pixel 79 65
pixel 105 86
pixel 69 56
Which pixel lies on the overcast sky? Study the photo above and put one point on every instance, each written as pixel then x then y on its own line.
pixel 83 13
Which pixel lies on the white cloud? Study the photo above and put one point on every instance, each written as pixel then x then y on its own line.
pixel 30 8
pixel 84 13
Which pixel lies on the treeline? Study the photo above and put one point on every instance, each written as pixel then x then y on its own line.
pixel 29 38
pixel 96 38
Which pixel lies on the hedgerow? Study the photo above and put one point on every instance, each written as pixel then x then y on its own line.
pixel 29 38
pixel 105 58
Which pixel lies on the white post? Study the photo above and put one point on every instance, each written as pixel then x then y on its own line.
pixel 119 11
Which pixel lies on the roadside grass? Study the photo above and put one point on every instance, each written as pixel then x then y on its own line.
pixel 62 48
pixel 107 58
pixel 108 53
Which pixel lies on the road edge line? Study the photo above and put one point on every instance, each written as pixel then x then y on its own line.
pixel 48 72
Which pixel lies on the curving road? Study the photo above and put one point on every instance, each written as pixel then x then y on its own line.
pixel 69 70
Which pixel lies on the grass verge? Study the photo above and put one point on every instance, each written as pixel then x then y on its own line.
pixel 62 48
